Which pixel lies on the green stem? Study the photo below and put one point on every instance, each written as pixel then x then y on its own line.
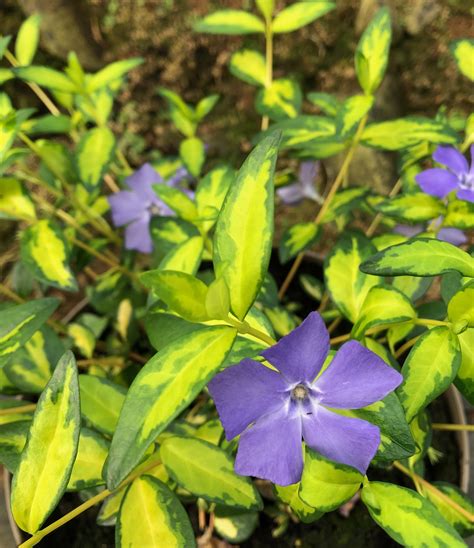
pixel 86 505
pixel 268 64
pixel 20 409
pixel 327 202
pixel 245 329
pixel 378 218
pixel 453 427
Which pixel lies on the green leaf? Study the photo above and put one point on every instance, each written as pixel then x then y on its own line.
pixel 344 202
pixel 326 102
pixel 192 152
pixel 204 107
pixel 30 368
pixel 181 114
pixel 46 253
pixel 429 369
pixel 461 307
pixel 305 130
pixel 94 153
pixel 407 517
pixel 112 72
pixel 460 214
pixel 326 485
pixel 296 239
pixel 4 42
pixel 266 8
pixel 407 132
pixel 6 75
pixel 46 462
pixel 165 386
pixel 46 77
pixel 177 200
pixel 347 285
pixel 465 378
pixel 218 300
pixel 351 113
pixel 233 525
pixel 14 201
pixel 289 494
pixel 101 402
pixel 282 99
pixel 83 338
pixel 249 66
pixel 163 328
pixel 300 14
pixel 48 124
pixel 22 320
pixel 27 40
pixel 244 231
pixel 413 207
pixel 383 305
pixel 230 22
pixel 12 442
pixel 163 520
pixel 450 514
pixel 182 292
pixel 420 257
pixel 463 52
pixel 372 51
pixel 312 286
pixel 210 194
pixel 185 257
pixel 91 454
pixel 208 472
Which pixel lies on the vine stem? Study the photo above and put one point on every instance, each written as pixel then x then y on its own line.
pixel 245 329
pixel 427 485
pixel 268 65
pixel 327 202
pixel 19 409
pixel 453 427
pixel 406 346
pixel 378 218
pixel 86 505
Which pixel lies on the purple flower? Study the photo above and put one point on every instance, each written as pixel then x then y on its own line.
pixel 451 235
pixel 273 410
pixel 304 187
pixel 135 207
pixel 457 175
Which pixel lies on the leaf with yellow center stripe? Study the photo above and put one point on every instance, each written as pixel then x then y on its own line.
pixel 429 369
pixel 90 459
pixel 296 239
pixel 244 230
pixel 19 324
pixel 45 251
pixel 152 516
pixel 46 462
pixel 208 472
pixel 165 386
pixel 14 201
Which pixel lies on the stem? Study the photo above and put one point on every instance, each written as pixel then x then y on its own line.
pixel 20 409
pixel 416 478
pixel 10 294
pixel 88 504
pixel 453 427
pixel 378 218
pixel 268 65
pixel 406 346
pixel 327 202
pixel 245 329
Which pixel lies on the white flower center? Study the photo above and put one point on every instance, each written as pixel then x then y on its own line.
pixel 466 181
pixel 299 392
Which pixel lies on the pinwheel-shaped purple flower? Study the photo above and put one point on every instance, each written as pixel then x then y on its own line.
pixel 135 207
pixel 457 175
pixel 304 187
pixel 273 410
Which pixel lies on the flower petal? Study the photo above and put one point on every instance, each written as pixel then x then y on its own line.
pixel 342 439
pixel 141 181
pixel 471 170
pixel 291 194
pixel 465 194
pixel 300 355
pixel 272 449
pixel 408 230
pixel 244 392
pixel 307 175
pixel 355 378
pixel 125 207
pixel 137 235
pixel 452 236
pixel 451 158
pixel 437 181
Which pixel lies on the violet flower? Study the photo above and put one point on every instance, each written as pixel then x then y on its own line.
pixel 457 175
pixel 273 410
pixel 304 187
pixel 451 235
pixel 134 208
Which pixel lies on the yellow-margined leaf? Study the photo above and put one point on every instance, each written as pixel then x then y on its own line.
pixel 352 112
pixel 413 207
pixel 429 369
pixel 46 462
pixel 177 200
pixel 244 230
pixel 461 307
pixel 230 22
pixel 163 520
pixel 208 471
pixel 282 99
pixel 14 201
pixel 296 239
pixel 46 253
pixel 165 386
pixel 289 494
